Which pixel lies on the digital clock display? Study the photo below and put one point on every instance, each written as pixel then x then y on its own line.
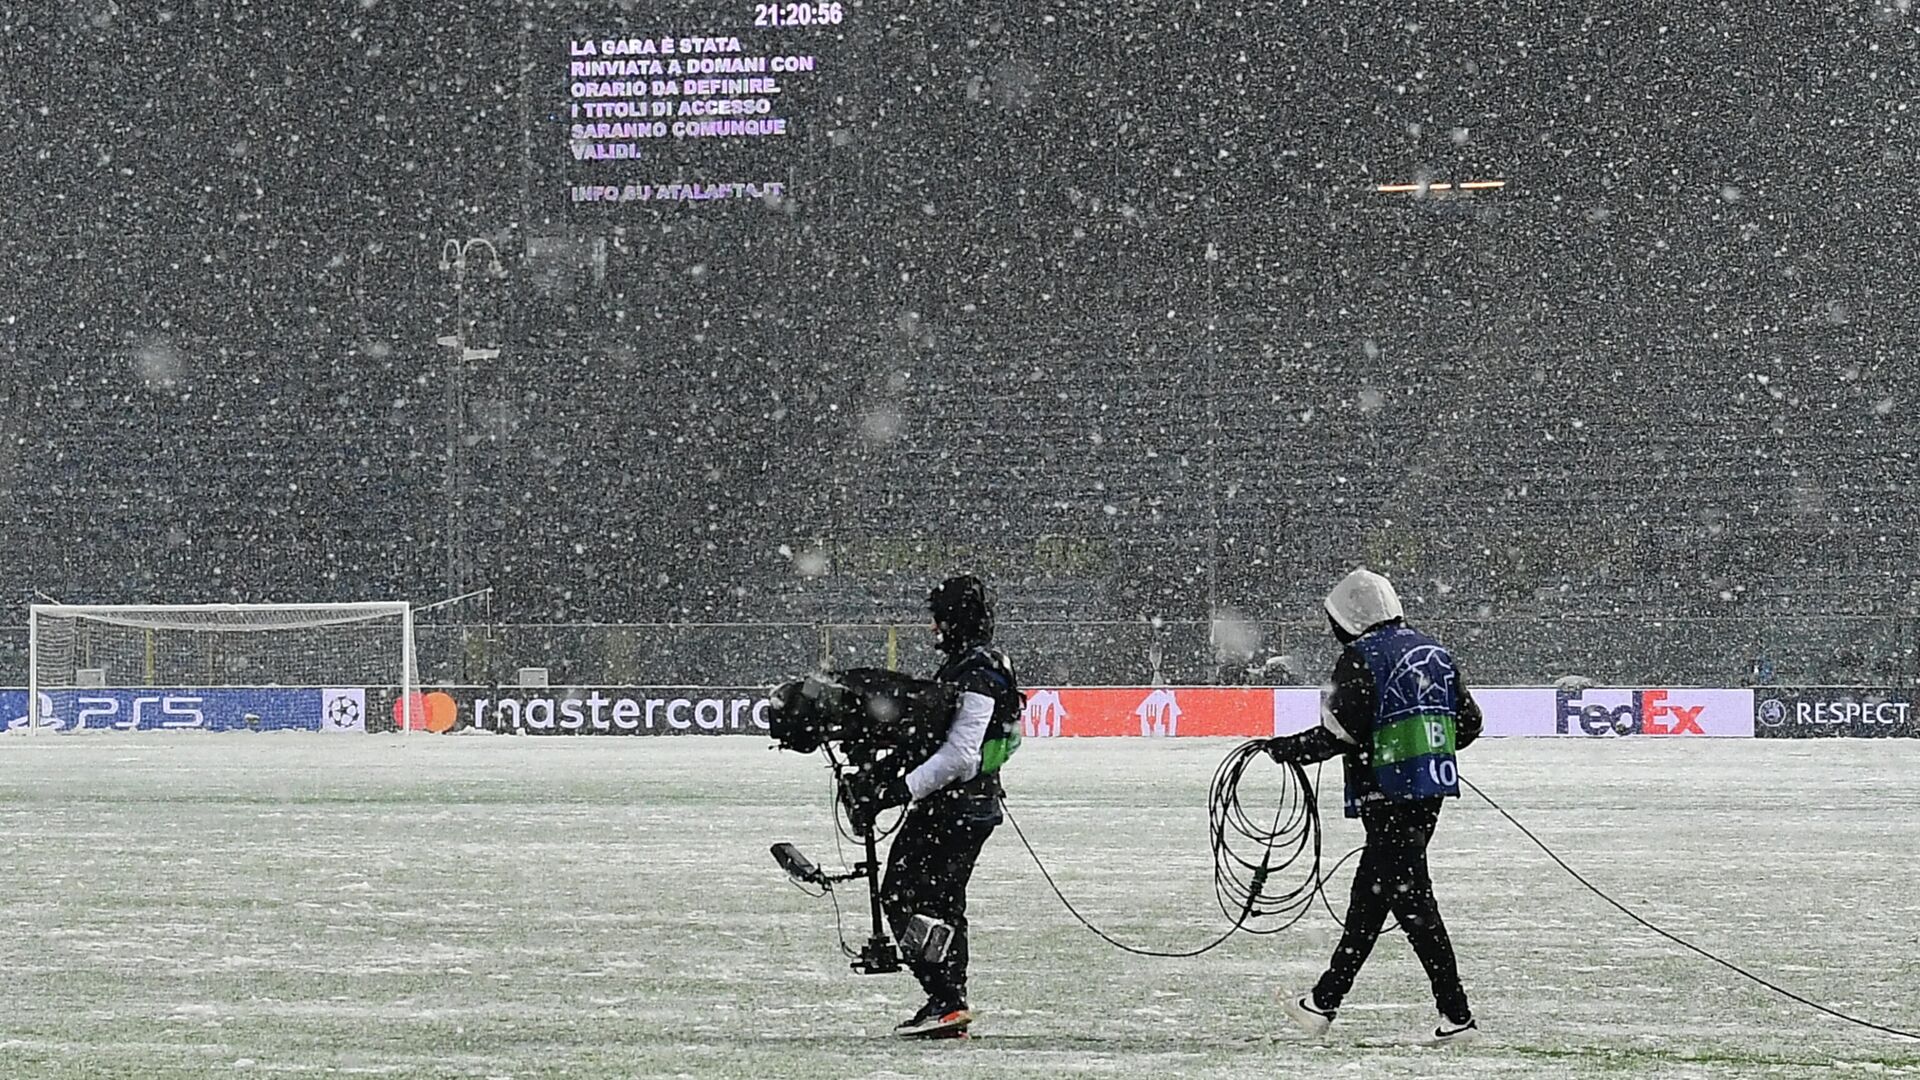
pixel 674 106
pixel 798 14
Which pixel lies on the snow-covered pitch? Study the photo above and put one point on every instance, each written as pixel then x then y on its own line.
pixel 307 905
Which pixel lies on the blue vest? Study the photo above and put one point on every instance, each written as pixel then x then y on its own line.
pixel 1416 697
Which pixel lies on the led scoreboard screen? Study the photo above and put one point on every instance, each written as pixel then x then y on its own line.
pixel 671 106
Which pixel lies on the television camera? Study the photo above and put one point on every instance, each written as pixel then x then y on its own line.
pixel 871 723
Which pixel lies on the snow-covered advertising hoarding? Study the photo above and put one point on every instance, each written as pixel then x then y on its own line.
pixel 189 709
pixel 1852 712
pixel 1612 712
pixel 1051 712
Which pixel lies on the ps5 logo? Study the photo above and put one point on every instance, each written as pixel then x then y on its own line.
pixel 172 712
pixel 175 712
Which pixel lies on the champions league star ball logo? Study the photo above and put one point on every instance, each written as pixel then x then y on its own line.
pixel 343 712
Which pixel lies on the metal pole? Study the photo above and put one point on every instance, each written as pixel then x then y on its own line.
pixel 33 669
pixel 526 126
pixel 406 669
pixel 453 258
pixel 1212 346
pixel 456 426
pixel 487 659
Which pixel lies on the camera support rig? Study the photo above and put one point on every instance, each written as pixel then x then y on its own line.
pixel 876 718
pixel 878 956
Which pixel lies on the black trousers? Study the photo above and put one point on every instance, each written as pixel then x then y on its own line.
pixel 927 874
pixel 1393 878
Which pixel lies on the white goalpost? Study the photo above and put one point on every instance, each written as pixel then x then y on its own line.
pixel 77 647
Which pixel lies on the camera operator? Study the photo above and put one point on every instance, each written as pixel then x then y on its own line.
pixel 955 801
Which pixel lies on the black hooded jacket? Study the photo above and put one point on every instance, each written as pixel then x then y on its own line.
pixel 1353 708
pixel 963 613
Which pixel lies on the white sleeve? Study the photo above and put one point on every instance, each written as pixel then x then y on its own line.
pixel 958 758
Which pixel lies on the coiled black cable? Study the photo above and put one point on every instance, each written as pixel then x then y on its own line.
pixel 1240 883
pixel 1247 855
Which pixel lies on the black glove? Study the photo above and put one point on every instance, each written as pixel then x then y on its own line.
pixel 865 794
pixel 1281 749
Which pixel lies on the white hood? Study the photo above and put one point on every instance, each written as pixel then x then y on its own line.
pixel 1362 599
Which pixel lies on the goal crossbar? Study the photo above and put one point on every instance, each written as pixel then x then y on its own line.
pixel 321 613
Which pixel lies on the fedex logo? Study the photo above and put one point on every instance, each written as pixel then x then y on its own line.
pixel 1643 712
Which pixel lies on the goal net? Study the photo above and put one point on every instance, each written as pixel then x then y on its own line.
pixel 221 666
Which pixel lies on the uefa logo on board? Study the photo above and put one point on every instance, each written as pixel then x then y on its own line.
pixel 1773 713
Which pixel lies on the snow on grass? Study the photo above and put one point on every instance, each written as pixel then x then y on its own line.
pixel 414 906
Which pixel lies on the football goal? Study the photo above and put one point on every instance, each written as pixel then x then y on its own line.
pixel 76 648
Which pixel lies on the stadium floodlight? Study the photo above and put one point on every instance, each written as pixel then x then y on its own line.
pixel 1423 188
pixel 452 341
pixel 211 646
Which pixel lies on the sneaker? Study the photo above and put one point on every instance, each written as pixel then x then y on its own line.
pixel 936 1021
pixel 916 1019
pixel 1305 1012
pixel 1450 1033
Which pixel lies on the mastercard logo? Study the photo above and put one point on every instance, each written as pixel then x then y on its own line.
pixel 435 712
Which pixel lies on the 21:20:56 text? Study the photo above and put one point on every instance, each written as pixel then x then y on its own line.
pixel 828 14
